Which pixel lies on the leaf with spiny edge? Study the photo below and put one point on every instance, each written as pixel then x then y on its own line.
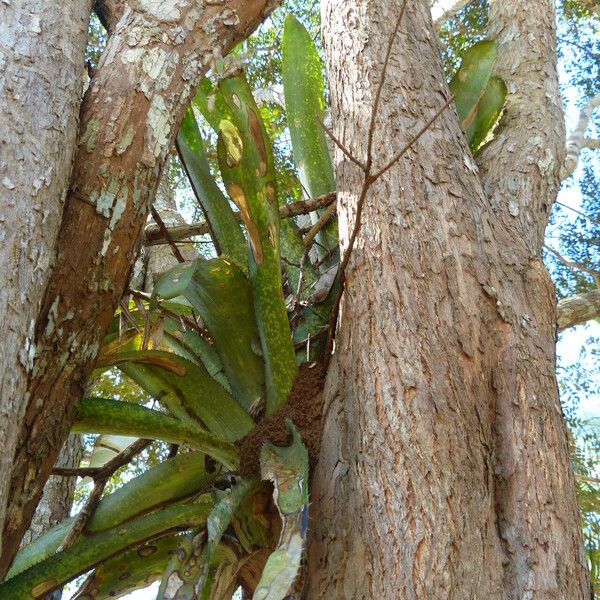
pixel 249 177
pixel 188 574
pixel 86 553
pixel 171 480
pixel 127 572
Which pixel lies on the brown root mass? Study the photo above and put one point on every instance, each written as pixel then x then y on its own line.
pixel 304 408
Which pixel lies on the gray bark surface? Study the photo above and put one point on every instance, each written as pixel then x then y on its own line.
pixel 57 498
pixel 129 118
pixel 444 471
pixel 41 83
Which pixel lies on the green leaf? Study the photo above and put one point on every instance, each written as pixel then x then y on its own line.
pixel 287 469
pixel 211 102
pixel 86 553
pixel 186 390
pixel 471 79
pixel 188 574
pixel 226 231
pixel 221 294
pixel 97 415
pixel 303 87
pixel 488 111
pixel 191 345
pixel 246 162
pixel 130 571
pixel 175 478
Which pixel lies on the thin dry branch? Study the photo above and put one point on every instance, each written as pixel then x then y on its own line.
pixel 590 143
pixel 183 232
pixel 165 233
pixel 575 210
pixel 321 222
pixel 369 179
pixel 100 475
pixel 574 265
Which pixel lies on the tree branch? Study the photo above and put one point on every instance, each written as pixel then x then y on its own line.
pixel 101 475
pixel 578 309
pixel 574 265
pixel 165 233
pixel 576 140
pixel 182 232
pixel 441 13
pixel 590 143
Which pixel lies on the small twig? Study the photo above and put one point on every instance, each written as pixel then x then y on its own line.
pixel 404 150
pixel 165 232
pixel 375 108
pixel 180 232
pixel 184 320
pixel 106 470
pixel 100 475
pixel 326 257
pixel 320 223
pixel 578 212
pixel 574 265
pixel 146 315
pixel 341 146
pixel 369 179
pixel 587 479
pixel 129 316
pixel 296 296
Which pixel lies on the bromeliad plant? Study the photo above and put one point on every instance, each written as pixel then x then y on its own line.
pixel 216 346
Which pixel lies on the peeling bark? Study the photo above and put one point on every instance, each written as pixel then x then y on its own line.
pixel 129 118
pixel 444 470
pixel 41 84
pixel 578 309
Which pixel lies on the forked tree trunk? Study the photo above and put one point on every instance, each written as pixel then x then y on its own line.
pixel 444 470
pixel 129 118
pixel 41 84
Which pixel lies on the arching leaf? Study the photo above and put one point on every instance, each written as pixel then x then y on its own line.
pixel 98 415
pixel 221 294
pixel 225 229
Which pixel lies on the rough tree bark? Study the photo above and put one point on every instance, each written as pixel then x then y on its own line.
pixel 57 498
pixel 41 84
pixel 129 118
pixel 444 470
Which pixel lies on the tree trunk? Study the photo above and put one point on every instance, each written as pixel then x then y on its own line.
pixel 57 498
pixel 41 84
pixel 129 118
pixel 538 516
pixel 444 470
